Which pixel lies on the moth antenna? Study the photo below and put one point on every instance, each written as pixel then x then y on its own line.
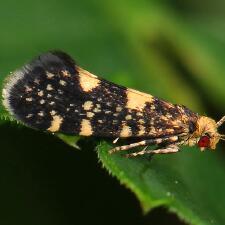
pixel 221 137
pixel 221 121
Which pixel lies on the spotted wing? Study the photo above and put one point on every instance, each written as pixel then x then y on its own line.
pixel 52 93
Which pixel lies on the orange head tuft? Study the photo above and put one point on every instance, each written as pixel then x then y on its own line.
pixel 206 134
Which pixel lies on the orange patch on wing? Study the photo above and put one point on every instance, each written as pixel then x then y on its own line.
pixel 137 100
pixel 88 105
pixel 88 81
pixel 126 131
pixel 56 123
pixel 86 129
pixel 141 130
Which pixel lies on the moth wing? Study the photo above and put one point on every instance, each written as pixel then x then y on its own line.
pixel 52 93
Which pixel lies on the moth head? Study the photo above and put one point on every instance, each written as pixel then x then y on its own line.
pixel 206 132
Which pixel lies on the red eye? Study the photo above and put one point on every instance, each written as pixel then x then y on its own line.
pixel 204 141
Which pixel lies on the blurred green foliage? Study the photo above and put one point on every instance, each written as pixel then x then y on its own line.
pixel 169 48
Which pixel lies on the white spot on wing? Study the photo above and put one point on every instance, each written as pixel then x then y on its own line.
pixel 90 114
pixel 141 121
pixel 119 109
pixel 36 81
pixel 29 115
pixel 62 82
pixel 128 117
pixel 41 113
pixel 50 75
pixel 28 89
pixel 53 112
pixel 40 93
pixel 29 99
pixel 65 73
pixel 96 110
pixel 49 87
pixel 42 101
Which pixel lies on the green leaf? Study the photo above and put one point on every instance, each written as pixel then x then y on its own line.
pixel 69 139
pixel 147 46
pixel 189 183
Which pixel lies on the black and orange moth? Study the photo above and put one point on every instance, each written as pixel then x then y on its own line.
pixel 52 93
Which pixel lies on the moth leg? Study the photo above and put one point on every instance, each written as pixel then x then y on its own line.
pixel 153 141
pixel 133 145
pixel 167 150
pixel 145 148
pixel 114 141
pixel 137 153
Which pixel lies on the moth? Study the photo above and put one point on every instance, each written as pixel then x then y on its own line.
pixel 52 93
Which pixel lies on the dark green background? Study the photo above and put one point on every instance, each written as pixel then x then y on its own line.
pixel 172 49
